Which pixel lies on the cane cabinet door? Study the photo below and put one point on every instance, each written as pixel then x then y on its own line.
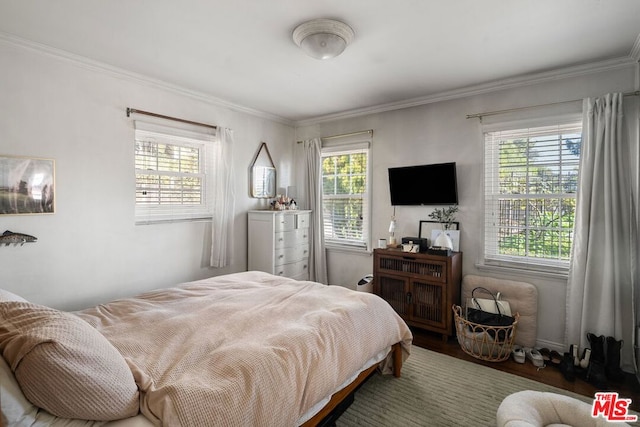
pixel 421 288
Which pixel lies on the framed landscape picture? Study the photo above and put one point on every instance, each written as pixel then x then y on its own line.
pixel 27 185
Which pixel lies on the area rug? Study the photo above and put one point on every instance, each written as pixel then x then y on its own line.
pixel 437 390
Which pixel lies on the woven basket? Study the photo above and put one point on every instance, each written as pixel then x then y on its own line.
pixel 477 340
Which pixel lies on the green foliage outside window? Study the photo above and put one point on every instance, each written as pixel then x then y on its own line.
pixel 344 184
pixel 536 201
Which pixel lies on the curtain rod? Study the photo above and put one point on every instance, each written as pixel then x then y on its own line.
pixel 344 135
pixel 493 113
pixel 146 113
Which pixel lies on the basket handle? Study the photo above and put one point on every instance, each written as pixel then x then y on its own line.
pixel 477 304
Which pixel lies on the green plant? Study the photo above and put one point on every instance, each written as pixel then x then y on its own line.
pixel 445 216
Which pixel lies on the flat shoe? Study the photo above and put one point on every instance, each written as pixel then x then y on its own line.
pixel 555 358
pixel 535 357
pixel 546 354
pixel 551 357
pixel 518 354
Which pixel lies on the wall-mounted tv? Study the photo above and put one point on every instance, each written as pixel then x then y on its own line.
pixel 434 184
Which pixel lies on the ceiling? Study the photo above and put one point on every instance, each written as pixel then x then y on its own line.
pixel 241 52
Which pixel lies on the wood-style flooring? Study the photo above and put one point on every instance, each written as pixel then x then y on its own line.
pixel 551 375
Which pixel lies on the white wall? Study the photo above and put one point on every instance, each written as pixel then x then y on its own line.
pixel 90 250
pixel 440 132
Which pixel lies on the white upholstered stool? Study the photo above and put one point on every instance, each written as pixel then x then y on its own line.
pixel 530 408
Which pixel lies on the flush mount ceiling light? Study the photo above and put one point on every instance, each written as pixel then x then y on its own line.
pixel 323 38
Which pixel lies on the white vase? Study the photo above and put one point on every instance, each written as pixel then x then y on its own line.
pixel 444 241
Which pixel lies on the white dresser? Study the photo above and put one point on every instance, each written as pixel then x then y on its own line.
pixel 279 242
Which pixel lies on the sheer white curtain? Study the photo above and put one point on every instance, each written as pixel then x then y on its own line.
pixel 603 270
pixel 309 159
pixel 223 200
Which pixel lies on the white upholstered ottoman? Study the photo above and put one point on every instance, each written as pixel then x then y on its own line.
pixel 530 408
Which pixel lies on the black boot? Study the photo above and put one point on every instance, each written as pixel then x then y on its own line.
pixel 567 368
pixel 612 367
pixel 596 375
pixel 595 372
pixel 597 347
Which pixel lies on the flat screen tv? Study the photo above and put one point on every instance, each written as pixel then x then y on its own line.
pixel 433 184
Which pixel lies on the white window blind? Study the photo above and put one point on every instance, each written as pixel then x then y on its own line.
pixel 345 195
pixel 172 174
pixel 531 177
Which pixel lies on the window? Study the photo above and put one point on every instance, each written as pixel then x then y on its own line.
pixel 531 178
pixel 172 182
pixel 345 196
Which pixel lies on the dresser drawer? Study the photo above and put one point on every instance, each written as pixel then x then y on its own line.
pixel 436 270
pixel 294 270
pixel 292 254
pixel 287 239
pixel 302 220
pixel 304 275
pixel 283 222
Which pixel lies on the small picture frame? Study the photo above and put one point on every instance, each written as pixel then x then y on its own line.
pixel 27 185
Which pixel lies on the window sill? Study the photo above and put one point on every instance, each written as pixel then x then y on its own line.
pixel 170 221
pixel 348 249
pixel 520 270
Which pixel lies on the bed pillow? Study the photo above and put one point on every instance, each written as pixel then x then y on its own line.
pixel 64 365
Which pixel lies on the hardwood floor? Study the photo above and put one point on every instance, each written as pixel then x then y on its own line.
pixel 629 389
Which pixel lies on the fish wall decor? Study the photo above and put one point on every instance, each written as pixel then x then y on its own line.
pixel 9 237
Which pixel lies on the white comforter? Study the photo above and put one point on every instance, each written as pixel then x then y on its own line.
pixel 245 349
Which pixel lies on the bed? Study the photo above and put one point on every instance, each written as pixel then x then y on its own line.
pixel 247 348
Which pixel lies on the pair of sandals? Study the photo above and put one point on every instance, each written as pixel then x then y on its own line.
pixel 551 357
pixel 539 358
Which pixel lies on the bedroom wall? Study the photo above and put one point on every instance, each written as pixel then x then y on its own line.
pixel 440 132
pixel 90 250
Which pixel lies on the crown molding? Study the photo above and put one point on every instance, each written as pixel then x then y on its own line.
pixel 112 71
pixel 525 80
pixel 494 86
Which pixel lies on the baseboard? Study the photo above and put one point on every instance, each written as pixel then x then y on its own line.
pixel 559 347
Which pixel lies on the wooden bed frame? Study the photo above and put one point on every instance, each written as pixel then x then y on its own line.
pixel 344 394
